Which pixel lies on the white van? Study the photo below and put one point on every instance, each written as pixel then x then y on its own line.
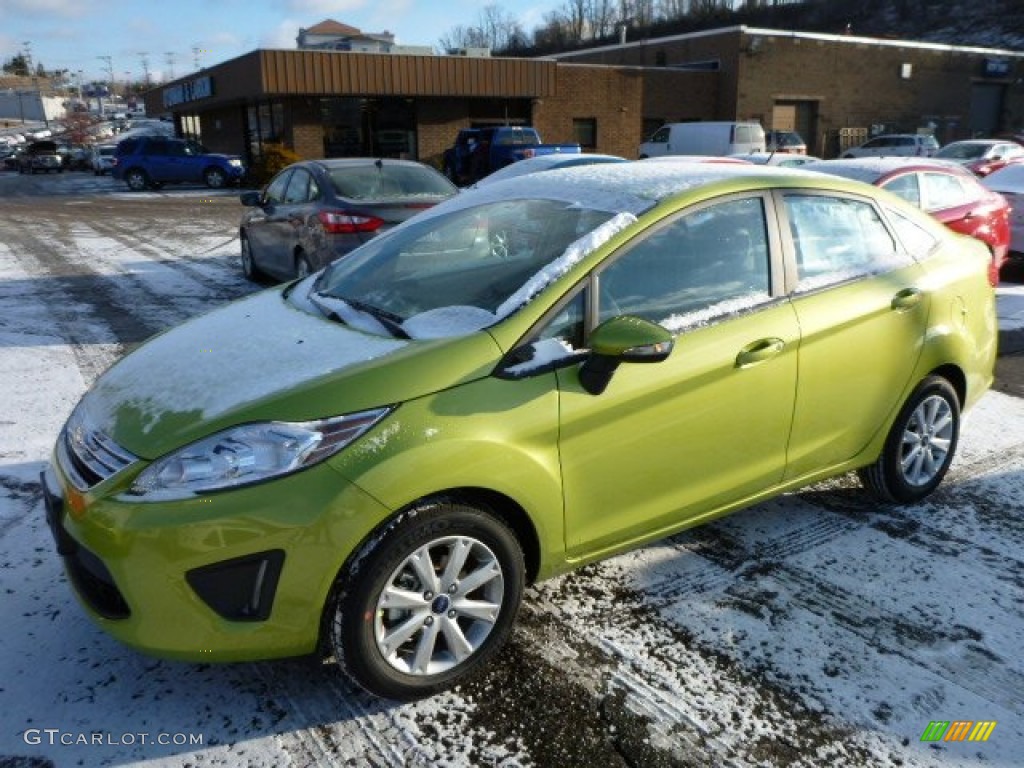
pixel 715 139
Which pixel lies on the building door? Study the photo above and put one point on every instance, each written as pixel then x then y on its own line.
pixel 799 116
pixel 986 107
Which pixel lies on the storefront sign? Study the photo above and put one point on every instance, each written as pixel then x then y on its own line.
pixel 192 90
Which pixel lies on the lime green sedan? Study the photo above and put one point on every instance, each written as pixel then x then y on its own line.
pixel 375 460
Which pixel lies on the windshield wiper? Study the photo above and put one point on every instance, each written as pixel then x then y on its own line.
pixel 389 320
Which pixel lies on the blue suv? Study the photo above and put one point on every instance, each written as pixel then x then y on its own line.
pixel 152 161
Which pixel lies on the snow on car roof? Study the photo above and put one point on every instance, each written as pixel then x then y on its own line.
pixel 631 187
pixel 869 169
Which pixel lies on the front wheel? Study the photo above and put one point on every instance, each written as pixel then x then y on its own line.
pixel 920 446
pixel 427 602
pixel 215 178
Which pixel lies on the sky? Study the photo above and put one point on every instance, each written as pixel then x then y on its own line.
pixel 173 35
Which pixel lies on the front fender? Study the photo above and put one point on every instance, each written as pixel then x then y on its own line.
pixel 491 434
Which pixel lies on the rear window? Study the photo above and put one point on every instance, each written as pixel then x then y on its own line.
pixel 388 182
pixel 744 134
pixel 517 138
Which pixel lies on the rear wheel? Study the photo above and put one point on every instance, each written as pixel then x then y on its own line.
pixel 136 179
pixel 249 268
pixel 427 602
pixel 302 266
pixel 920 446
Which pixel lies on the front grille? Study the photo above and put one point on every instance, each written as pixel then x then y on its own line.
pixel 89 456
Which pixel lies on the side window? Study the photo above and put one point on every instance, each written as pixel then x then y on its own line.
pixel 176 149
pixel 699 266
pixel 838 239
pixel 918 241
pixel 906 186
pixel 559 341
pixel 276 188
pixel 661 135
pixel 567 325
pixel 943 191
pixel 298 187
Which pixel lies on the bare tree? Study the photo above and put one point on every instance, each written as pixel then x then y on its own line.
pixel 496 29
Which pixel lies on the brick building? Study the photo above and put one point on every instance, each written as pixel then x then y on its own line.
pixel 832 89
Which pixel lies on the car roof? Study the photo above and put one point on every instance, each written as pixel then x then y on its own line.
pixel 1009 178
pixel 635 187
pixel 331 163
pixel 547 163
pixel 981 142
pixel 871 169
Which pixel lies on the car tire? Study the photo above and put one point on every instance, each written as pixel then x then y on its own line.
pixel 249 268
pixel 920 446
pixel 302 266
pixel 215 178
pixel 136 179
pixel 410 564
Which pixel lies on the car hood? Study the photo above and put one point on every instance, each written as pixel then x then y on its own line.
pixel 263 358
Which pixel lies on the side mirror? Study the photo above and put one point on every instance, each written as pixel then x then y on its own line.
pixel 624 339
pixel 251 199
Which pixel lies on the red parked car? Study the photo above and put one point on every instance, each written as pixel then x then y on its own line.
pixel 947 191
pixel 982 156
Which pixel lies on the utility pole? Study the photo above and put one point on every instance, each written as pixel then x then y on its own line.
pixel 145 66
pixel 169 58
pixel 196 50
pixel 110 72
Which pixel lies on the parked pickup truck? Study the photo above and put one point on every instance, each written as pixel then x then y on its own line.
pixel 479 151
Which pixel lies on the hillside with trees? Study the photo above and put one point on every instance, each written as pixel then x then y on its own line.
pixel 580 24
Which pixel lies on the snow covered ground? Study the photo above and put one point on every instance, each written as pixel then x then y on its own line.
pixel 1011 306
pixel 817 629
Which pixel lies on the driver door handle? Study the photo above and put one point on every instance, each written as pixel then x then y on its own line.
pixel 759 351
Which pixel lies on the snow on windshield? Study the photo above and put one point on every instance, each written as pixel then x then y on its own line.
pixel 443 322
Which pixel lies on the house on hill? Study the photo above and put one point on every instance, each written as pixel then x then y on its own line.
pixel 331 35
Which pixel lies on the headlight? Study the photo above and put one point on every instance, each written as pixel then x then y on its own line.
pixel 235 162
pixel 249 454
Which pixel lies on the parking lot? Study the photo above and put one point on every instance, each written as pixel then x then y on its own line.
pixel 816 629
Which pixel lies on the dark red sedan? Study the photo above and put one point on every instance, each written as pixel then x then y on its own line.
pixel 947 191
pixel 982 156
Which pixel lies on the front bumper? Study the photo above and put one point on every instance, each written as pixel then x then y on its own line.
pixel 232 576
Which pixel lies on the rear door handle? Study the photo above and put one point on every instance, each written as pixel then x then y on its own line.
pixel 759 351
pixel 908 298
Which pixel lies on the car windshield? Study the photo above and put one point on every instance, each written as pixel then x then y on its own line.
pixel 384 181
pixel 962 151
pixel 468 267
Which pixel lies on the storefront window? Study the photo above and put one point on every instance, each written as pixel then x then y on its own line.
pixel 265 125
pixel 362 127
